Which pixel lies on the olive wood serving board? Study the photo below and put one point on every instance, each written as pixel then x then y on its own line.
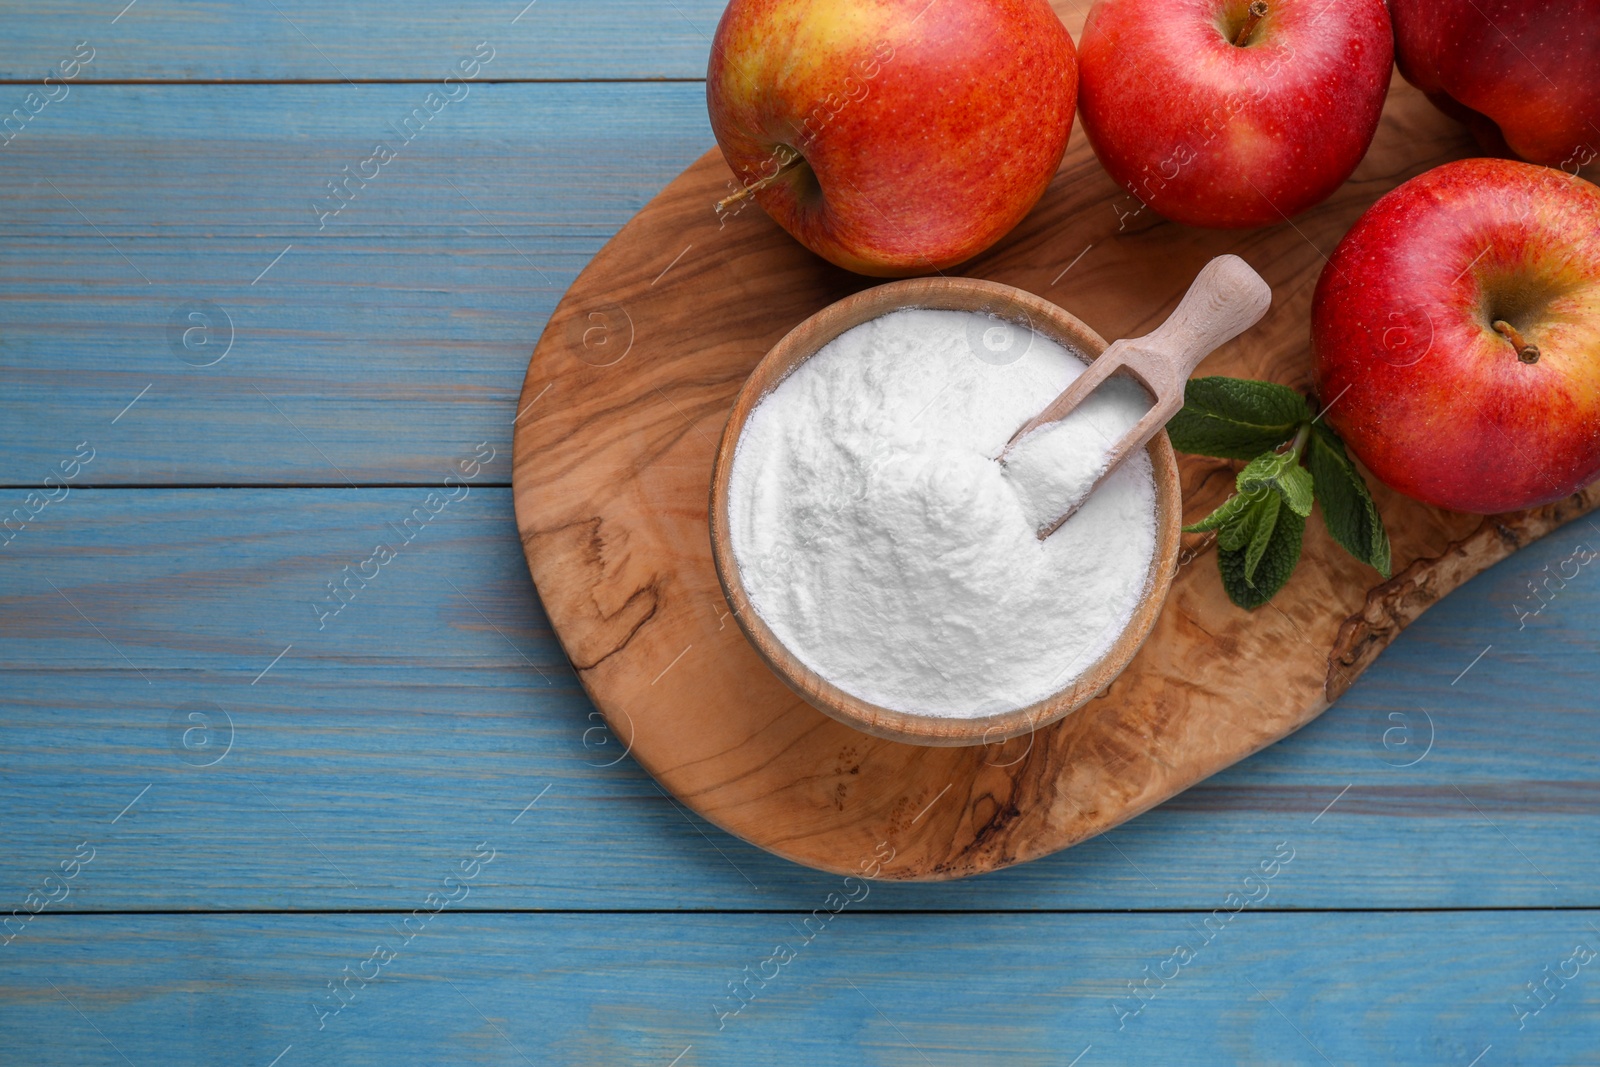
pixel 627 394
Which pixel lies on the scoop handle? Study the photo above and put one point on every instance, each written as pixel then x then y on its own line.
pixel 1226 299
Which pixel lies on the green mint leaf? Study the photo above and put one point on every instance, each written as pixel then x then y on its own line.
pixel 1266 522
pixel 1228 513
pixel 1273 568
pixel 1348 510
pixel 1263 470
pixel 1237 534
pixel 1235 418
pixel 1296 488
pixel 1281 473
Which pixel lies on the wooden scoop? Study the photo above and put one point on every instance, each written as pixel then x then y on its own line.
pixel 1226 299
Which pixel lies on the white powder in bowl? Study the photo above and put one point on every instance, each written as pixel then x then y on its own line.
pixel 885 547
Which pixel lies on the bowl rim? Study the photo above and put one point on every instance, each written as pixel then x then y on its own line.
pixel 800 344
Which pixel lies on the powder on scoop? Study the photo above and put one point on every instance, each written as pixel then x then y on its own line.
pixel 885 547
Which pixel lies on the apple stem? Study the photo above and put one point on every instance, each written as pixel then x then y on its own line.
pixel 1526 352
pixel 754 187
pixel 1253 17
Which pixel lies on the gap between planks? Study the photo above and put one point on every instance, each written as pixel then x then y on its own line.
pixel 148 486
pixel 365 81
pixel 1516 908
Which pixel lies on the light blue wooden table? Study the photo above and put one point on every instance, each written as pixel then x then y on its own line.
pixel 236 834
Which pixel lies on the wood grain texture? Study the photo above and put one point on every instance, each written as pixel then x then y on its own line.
pixel 648 989
pixel 1397 603
pixel 319 40
pixel 385 339
pixel 638 368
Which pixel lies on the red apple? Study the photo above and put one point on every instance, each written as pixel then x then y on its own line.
pixel 892 137
pixel 1523 74
pixel 1456 335
pixel 1214 114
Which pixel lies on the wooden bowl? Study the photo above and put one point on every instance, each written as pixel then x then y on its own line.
pixel 799 345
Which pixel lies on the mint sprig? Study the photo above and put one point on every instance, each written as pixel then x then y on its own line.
pixel 1260 529
pixel 1236 418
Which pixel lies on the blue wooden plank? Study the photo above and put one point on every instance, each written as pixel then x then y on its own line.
pixel 437 703
pixel 238 161
pixel 297 40
pixel 375 345
pixel 343 789
pixel 227 579
pixel 1382 988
